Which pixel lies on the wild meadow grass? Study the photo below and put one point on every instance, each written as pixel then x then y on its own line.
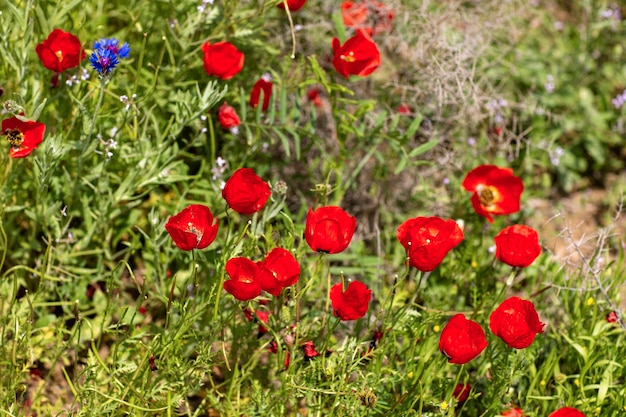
pixel 103 311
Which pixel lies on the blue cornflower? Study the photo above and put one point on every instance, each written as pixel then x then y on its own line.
pixel 112 45
pixel 104 61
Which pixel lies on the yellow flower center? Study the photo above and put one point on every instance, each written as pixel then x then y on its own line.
pixel 15 137
pixel 348 58
pixel 487 195
pixel 59 55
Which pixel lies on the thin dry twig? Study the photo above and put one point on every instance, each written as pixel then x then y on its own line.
pixel 594 270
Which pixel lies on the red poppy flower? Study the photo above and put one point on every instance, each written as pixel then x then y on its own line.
pixel 222 59
pixel 278 270
pixel 496 190
pixel 428 240
pixel 245 192
pixel 309 350
pixel 358 56
pixel 461 392
pixel 314 97
pixel 192 228
pixel 361 15
pixel 227 116
pixel 517 245
pixel 611 317
pixel 60 51
pixel 294 5
pixel 566 412
pixel 259 315
pixel 516 322
pixel 513 412
pixel 329 229
pixel 264 86
pixel 23 136
pixel 405 110
pixel 244 279
pixel 354 14
pixel 351 304
pixel 462 340
pixel 264 318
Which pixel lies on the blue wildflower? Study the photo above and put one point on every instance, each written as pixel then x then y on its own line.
pixel 112 45
pixel 104 61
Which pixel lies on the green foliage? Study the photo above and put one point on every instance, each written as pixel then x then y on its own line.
pixel 101 314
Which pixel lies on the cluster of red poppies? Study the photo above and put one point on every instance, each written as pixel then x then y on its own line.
pixel 59 52
pixel 358 56
pixel 515 321
pixel 496 191
pixel 328 230
pixel 427 240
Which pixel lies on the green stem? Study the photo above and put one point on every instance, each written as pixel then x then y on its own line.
pixel 218 289
pixel 212 141
pixel 320 266
pixel 292 30
pixel 87 141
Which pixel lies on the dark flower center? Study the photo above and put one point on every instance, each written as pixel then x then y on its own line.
pixel 487 196
pixel 15 137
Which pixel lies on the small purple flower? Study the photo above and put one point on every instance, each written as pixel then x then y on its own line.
pixel 549 85
pixel 555 155
pixel 619 100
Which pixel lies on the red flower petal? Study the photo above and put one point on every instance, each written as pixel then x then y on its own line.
pixel 428 240
pixel 496 190
pixel 513 412
pixel 244 279
pixel 461 392
pixel 279 269
pixel 329 229
pixel 517 245
pixel 358 56
pixel 294 5
pixel 27 135
pixel 566 412
pixel 351 304
pixel 193 228
pixel 363 15
pixel 462 340
pixel 245 192
pixel 60 51
pixel 516 322
pixel 309 350
pixel 222 59
pixel 227 116
pixel 266 88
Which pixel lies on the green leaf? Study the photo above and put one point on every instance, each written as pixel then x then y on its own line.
pixel 340 29
pixel 319 73
pixel 423 148
pixel 415 124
